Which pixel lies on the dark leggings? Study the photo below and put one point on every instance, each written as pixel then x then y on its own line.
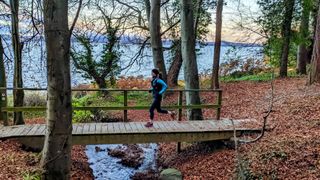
pixel 156 104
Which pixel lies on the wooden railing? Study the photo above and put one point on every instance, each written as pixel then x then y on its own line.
pixel 4 109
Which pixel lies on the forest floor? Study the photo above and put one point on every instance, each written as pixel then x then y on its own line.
pixel 289 150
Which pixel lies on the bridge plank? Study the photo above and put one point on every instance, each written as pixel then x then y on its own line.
pixel 173 126
pixel 131 132
pixel 74 128
pixel 80 129
pixel 122 128
pixel 165 125
pixel 26 129
pixel 98 128
pixel 13 131
pixel 92 128
pixel 128 127
pixel 198 126
pixel 145 129
pixel 33 130
pixel 104 128
pixel 161 126
pixel 19 131
pixel 142 128
pixel 156 126
pixel 116 127
pixel 184 126
pixel 134 126
pixel 42 129
pixel 6 132
pixel 86 128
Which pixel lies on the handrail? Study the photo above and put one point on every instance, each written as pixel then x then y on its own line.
pixel 90 108
pixel 104 89
pixel 125 106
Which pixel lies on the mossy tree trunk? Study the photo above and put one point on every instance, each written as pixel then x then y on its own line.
pixel 191 76
pixel 56 159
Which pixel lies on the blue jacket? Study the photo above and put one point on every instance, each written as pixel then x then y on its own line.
pixel 158 87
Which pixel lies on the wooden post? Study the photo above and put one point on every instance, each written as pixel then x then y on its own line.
pixel 179 117
pixel 180 104
pixel 219 100
pixel 3 103
pixel 125 104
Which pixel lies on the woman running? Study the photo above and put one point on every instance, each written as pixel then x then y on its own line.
pixel 158 88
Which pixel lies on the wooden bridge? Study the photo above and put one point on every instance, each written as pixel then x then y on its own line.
pixel 132 132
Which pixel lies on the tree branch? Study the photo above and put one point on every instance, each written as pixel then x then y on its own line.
pixel 5 3
pixel 76 17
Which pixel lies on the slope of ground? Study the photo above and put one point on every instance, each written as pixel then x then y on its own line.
pixel 290 151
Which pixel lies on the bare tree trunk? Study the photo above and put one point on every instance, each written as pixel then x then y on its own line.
pixel 286 35
pixel 56 160
pixel 304 30
pixel 314 76
pixel 156 43
pixel 196 23
pixel 3 83
pixel 18 95
pixel 217 47
pixel 101 81
pixel 189 58
pixel 148 8
pixel 175 67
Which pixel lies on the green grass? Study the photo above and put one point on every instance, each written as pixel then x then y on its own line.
pixel 31 176
pixel 140 98
pixel 256 77
pixel 265 76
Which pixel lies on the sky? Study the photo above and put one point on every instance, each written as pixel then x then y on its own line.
pixel 231 17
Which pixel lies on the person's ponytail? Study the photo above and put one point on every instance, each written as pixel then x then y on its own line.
pixel 160 76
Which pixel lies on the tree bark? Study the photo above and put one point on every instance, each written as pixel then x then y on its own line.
pixel 217 46
pixel 304 31
pixel 189 58
pixel 56 159
pixel 175 67
pixel 155 34
pixel 101 81
pixel 286 35
pixel 18 95
pixel 314 76
pixel 3 83
pixel 148 8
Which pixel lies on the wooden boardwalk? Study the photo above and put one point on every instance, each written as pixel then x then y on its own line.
pixel 133 132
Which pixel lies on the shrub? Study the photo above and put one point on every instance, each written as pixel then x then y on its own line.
pixel 133 83
pixel 35 99
pixel 81 116
pixel 236 68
